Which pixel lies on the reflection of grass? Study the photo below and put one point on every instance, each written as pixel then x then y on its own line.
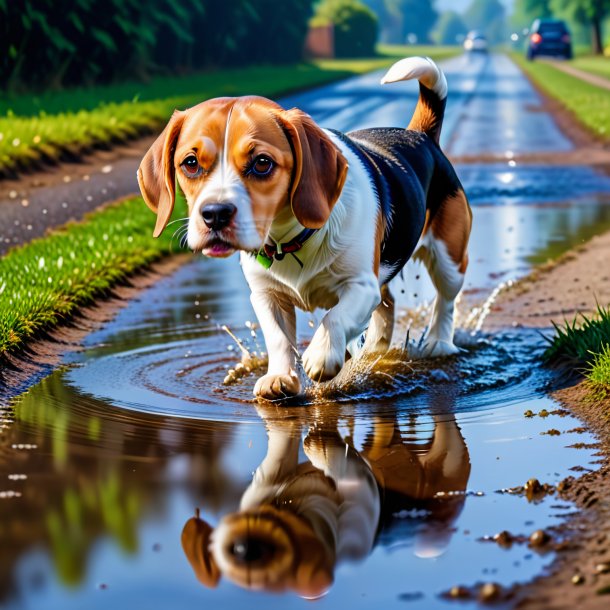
pixel 581 341
pixel 590 105
pixel 68 123
pixel 48 280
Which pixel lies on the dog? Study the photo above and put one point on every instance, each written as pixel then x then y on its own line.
pixel 322 219
pixel 298 520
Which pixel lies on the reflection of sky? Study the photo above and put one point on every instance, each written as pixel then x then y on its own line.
pixel 501 443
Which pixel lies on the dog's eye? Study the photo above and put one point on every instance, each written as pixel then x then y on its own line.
pixel 190 166
pixel 261 166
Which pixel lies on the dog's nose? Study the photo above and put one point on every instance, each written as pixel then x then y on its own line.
pixel 218 215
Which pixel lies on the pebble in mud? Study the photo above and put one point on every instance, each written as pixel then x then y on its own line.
pixel 539 538
pixel 459 592
pixel 578 579
pixel 490 592
pixel 603 568
pixel 504 539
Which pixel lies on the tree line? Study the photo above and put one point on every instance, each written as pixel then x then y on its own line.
pixel 59 43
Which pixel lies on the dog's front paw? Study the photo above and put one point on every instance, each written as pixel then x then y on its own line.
pixel 274 387
pixel 322 360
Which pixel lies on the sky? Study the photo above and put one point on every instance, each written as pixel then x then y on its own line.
pixel 461 5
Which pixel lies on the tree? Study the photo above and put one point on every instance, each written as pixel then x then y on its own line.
pixel 586 12
pixel 355 24
pixel 487 16
pixel 418 17
pixel 525 11
pixel 399 18
pixel 449 28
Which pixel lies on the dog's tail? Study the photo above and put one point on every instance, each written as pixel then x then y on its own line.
pixel 430 109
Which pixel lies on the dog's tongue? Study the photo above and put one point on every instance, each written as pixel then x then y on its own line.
pixel 218 249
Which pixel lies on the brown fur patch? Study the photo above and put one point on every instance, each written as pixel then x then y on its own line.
pixel 451 224
pixel 379 233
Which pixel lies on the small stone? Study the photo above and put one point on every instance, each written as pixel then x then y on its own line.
pixel 532 486
pixel 603 568
pixel 539 538
pixel 490 591
pixel 459 592
pixel 578 579
pixel 504 538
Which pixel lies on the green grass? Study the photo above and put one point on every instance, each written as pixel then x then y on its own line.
pixel 595 64
pixel 580 341
pixel 589 105
pixel 598 374
pixel 47 281
pixel 67 124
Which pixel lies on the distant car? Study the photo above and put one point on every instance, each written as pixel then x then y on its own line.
pixel 549 37
pixel 476 42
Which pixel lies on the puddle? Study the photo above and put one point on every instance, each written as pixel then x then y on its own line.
pixel 382 499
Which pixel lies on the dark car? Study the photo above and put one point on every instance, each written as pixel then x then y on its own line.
pixel 549 37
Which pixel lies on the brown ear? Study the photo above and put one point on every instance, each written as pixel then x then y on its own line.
pixel 196 545
pixel 319 169
pixel 156 174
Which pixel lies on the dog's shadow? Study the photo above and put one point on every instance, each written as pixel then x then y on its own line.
pixel 298 520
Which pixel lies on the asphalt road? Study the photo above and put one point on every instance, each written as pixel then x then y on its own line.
pixel 491 110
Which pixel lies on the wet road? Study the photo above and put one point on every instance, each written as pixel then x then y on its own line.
pixel 378 491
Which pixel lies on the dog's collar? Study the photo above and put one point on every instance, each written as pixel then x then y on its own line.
pixel 278 250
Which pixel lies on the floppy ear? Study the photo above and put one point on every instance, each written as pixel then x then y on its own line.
pixel 156 174
pixel 196 545
pixel 319 169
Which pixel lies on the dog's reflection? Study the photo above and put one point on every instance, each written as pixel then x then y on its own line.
pixel 297 521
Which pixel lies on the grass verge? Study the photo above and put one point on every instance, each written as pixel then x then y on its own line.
pixel 47 281
pixel 67 124
pixel 598 374
pixel 595 64
pixel 585 343
pixel 589 105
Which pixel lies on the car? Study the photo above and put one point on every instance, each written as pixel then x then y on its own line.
pixel 549 37
pixel 475 42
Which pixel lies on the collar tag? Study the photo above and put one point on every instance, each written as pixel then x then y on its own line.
pixel 263 259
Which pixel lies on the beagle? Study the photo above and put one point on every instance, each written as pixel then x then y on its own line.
pixel 298 520
pixel 322 219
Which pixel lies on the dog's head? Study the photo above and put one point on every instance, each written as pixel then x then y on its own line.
pixel 239 162
pixel 264 548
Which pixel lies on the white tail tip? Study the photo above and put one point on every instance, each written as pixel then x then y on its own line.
pixel 422 69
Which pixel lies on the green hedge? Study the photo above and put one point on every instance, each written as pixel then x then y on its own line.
pixel 46 43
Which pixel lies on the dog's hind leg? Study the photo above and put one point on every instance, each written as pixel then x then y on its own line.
pixel 379 332
pixel 444 252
